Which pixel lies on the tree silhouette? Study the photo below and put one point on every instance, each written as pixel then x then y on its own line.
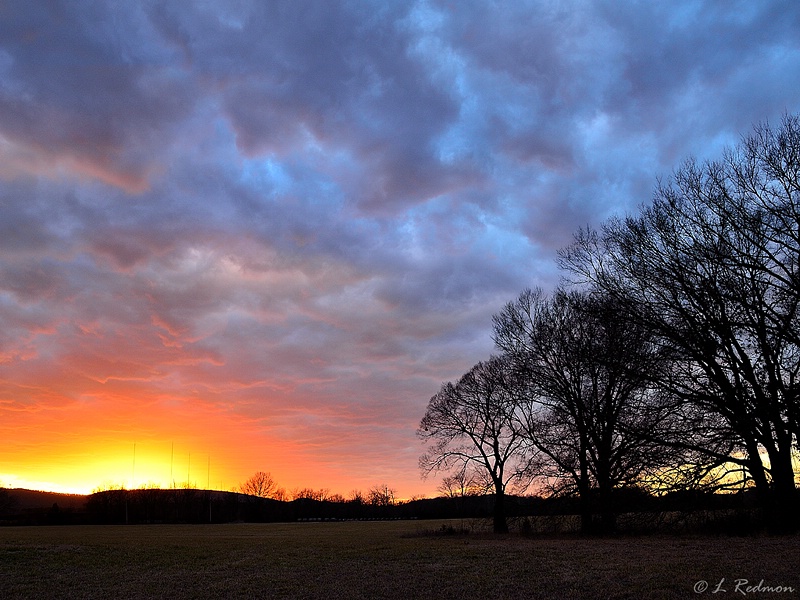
pixel 712 269
pixel 261 484
pixel 381 495
pixel 586 402
pixel 475 423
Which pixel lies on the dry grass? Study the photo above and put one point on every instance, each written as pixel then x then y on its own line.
pixel 374 560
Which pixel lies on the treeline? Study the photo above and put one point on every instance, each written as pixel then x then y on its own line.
pixel 668 360
pixel 263 485
pixel 694 511
pixel 201 506
pixel 258 499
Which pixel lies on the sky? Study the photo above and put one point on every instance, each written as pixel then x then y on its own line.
pixel 243 236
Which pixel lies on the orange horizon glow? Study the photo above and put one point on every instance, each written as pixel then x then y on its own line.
pixel 82 447
pixel 165 465
pixel 92 466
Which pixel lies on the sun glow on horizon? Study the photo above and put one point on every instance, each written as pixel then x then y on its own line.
pixel 13 482
pixel 121 465
pixel 213 451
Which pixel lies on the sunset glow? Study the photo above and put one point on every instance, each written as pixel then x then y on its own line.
pixel 240 237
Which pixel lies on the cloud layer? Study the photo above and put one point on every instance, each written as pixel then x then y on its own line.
pixel 267 232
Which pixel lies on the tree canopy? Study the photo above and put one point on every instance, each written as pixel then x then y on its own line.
pixel 671 355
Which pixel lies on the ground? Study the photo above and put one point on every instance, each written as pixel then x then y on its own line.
pixel 394 559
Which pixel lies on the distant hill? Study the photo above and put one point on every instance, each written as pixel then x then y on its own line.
pixel 31 507
pixel 25 500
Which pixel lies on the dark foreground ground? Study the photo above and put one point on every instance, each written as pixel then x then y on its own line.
pixel 394 559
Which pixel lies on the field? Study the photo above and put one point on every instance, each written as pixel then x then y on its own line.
pixel 393 559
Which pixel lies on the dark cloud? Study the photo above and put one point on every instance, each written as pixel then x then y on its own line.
pixel 87 89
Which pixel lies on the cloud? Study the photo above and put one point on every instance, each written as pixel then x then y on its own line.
pixel 88 92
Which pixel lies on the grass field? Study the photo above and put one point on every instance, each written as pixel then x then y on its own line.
pixel 394 559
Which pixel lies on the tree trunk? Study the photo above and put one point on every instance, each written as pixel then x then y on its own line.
pixel 585 507
pixel 608 518
pixel 756 468
pixel 783 518
pixel 782 515
pixel 500 523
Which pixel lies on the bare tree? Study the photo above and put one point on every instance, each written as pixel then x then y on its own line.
pixel 588 402
pixel 280 494
pixel 320 495
pixel 261 484
pixel 381 495
pixel 712 267
pixel 356 497
pixel 474 423
pixel 460 484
